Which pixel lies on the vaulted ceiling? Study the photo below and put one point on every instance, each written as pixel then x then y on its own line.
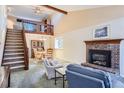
pixel 28 11
pixel 69 8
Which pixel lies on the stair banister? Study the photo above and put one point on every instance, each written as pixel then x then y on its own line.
pixel 26 57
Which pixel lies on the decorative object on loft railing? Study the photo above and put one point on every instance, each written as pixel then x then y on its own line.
pixel 101 32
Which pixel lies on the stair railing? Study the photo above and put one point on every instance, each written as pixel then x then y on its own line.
pixel 4 46
pixel 26 57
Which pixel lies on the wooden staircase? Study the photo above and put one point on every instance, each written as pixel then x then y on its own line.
pixel 14 50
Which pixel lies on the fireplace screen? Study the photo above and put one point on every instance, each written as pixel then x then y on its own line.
pixel 100 57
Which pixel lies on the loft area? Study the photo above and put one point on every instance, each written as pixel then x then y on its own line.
pixel 35 27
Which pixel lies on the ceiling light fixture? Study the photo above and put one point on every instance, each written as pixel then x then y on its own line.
pixel 38 10
pixel 9 9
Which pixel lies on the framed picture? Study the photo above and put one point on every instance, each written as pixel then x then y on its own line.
pixel 101 32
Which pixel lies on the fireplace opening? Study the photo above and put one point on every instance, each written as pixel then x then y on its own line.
pixel 100 57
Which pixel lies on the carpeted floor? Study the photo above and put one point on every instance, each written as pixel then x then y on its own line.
pixel 35 78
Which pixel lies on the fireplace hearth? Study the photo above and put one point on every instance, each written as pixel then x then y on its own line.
pixel 100 57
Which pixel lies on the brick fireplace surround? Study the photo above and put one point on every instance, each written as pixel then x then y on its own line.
pixel 113 45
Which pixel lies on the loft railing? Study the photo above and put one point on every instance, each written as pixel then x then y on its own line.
pixel 37 27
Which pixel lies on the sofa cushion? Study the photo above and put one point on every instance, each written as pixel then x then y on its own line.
pixel 90 72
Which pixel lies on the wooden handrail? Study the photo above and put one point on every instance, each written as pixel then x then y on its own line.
pixel 7 68
pixel 4 46
pixel 26 57
pixel 34 22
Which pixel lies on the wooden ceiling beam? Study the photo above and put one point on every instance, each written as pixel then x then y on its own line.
pixel 56 9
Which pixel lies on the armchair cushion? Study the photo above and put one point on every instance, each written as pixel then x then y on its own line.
pixel 50 66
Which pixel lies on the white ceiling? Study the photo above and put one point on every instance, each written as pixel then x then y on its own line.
pixel 27 11
pixel 77 7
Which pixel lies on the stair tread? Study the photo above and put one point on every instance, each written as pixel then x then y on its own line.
pixel 14 58
pixel 13 46
pixel 16 67
pixel 14 53
pixel 6 58
pixel 15 62
pixel 14 31
pixel 10 35
pixel 14 34
pixel 12 39
pixel 14 43
pixel 13 49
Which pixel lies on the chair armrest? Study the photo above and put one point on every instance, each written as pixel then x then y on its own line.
pixel 53 67
pixel 59 66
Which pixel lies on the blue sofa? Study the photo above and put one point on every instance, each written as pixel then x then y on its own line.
pixel 84 77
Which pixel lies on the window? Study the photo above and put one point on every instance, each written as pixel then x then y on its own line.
pixel 29 27
pixel 58 43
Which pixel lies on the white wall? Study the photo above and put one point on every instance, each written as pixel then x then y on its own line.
pixel 122 58
pixel 48 41
pixel 56 18
pixel 10 24
pixel 74 49
pixel 3 25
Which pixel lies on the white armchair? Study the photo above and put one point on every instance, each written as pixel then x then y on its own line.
pixel 50 66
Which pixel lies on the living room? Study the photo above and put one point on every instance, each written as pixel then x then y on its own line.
pixel 77 32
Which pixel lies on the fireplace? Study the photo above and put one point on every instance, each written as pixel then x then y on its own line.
pixel 100 57
pixel 114 53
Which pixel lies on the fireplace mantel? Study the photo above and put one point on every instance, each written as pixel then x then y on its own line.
pixel 110 41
